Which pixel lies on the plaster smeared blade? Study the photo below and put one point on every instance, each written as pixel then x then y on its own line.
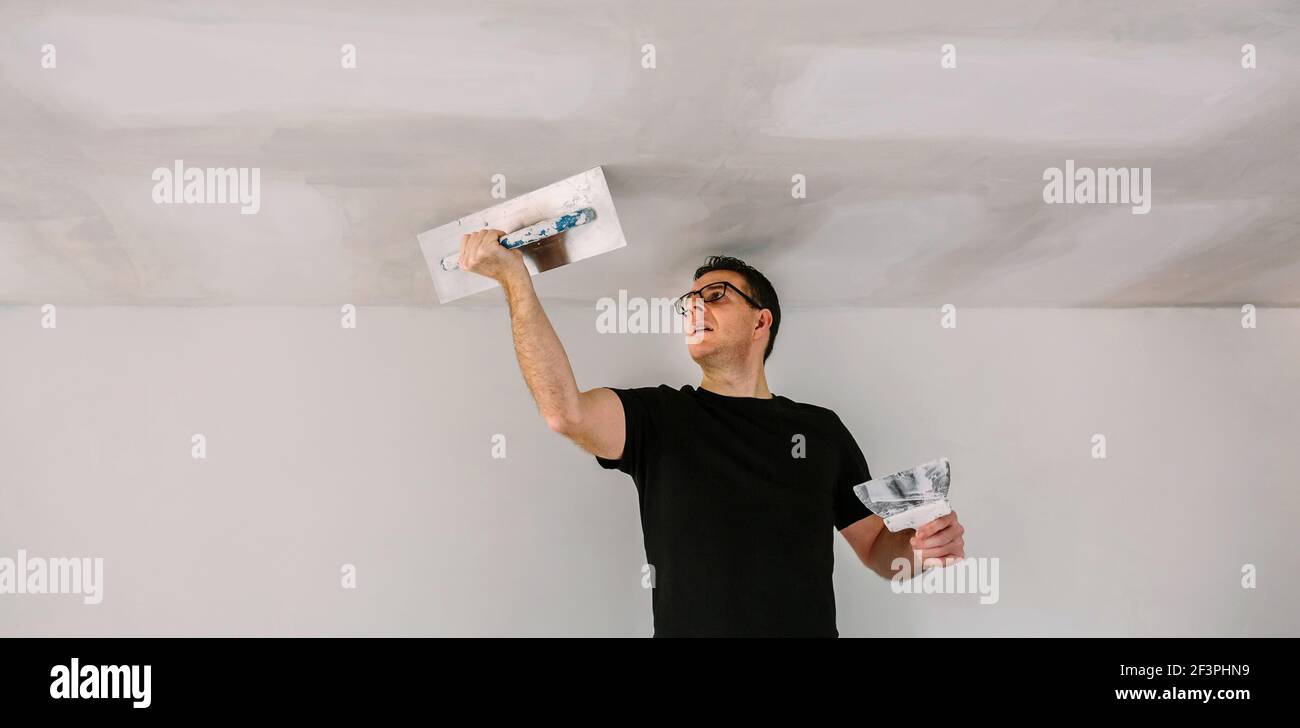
pixel 909 498
pixel 587 226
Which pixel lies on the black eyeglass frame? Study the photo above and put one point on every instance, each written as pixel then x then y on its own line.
pixel 681 308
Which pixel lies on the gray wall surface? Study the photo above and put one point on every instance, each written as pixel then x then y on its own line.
pixel 372 446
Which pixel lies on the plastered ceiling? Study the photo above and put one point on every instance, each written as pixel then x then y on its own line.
pixel 924 185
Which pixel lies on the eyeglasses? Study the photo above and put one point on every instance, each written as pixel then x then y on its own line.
pixel 709 294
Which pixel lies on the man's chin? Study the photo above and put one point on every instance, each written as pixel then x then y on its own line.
pixel 699 350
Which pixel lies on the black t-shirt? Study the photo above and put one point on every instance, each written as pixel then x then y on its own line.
pixel 738 526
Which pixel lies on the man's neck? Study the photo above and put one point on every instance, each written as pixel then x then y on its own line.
pixel 732 384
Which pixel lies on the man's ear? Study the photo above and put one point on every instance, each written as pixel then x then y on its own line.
pixel 764 321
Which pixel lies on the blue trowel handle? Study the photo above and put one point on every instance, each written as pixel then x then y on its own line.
pixel 532 233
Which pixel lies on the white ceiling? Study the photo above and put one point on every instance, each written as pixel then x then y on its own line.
pixel 924 185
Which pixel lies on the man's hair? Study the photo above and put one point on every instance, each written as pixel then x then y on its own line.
pixel 760 289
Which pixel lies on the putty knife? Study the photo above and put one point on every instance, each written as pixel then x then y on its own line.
pixel 561 223
pixel 909 498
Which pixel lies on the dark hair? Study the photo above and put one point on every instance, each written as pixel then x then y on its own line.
pixel 760 289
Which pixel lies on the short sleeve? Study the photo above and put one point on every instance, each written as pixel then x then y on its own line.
pixel 849 509
pixel 637 409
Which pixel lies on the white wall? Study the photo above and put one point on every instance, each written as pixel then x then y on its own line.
pixel 372 446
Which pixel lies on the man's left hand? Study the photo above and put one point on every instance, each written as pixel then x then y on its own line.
pixel 939 542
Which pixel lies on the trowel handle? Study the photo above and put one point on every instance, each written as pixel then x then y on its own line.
pixel 918 516
pixel 532 233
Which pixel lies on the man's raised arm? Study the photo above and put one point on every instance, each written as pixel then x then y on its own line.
pixel 593 419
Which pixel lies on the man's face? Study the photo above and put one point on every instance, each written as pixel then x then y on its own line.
pixel 724 327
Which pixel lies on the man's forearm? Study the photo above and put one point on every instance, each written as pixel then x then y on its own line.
pixel 542 359
pixel 888 548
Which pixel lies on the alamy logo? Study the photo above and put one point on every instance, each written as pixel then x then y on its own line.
pixel 967 576
pixel 75 680
pixel 1102 186
pixel 37 575
pixel 637 315
pixel 209 186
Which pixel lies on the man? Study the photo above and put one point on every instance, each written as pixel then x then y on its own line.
pixel 738 488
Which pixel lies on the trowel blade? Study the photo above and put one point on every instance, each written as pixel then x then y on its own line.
pixel 587 189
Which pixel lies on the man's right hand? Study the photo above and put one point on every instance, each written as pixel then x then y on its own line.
pixel 482 253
